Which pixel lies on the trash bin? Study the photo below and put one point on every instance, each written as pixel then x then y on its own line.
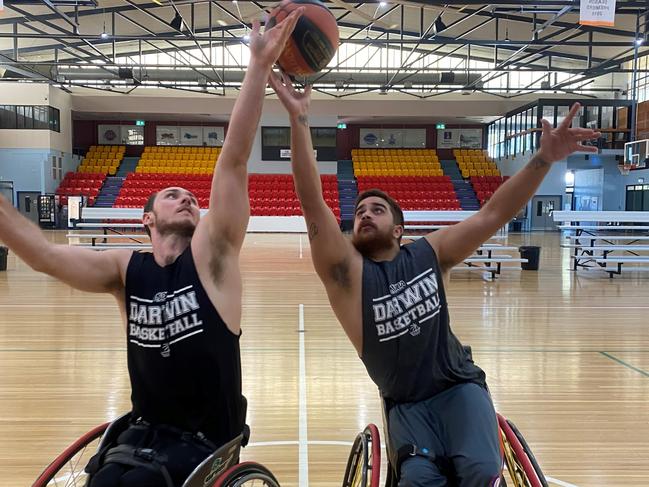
pixel 532 254
pixel 4 251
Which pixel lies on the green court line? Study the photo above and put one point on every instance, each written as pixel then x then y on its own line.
pixel 627 365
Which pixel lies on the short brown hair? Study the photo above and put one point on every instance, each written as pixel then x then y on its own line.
pixel 148 208
pixel 397 213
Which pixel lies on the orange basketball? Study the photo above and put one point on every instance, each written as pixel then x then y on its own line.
pixel 314 40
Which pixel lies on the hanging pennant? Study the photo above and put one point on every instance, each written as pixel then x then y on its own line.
pixel 597 12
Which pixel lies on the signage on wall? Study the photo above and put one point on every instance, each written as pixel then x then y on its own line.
pixel 139 123
pixel 459 139
pixel 286 153
pixel 392 138
pixel 195 135
pixel 597 12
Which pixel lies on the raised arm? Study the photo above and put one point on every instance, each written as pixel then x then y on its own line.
pixel 229 204
pixel 331 252
pixel 83 269
pixel 457 242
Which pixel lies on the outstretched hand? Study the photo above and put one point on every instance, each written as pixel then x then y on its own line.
pixel 268 47
pixel 295 102
pixel 559 143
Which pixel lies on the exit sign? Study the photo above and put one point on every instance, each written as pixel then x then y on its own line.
pixel 342 125
pixel 139 123
pixel 441 126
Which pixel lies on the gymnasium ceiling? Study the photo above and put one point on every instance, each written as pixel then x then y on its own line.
pixel 417 48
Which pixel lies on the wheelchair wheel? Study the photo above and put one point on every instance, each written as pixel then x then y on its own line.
pixel 519 465
pixel 67 470
pixel 364 462
pixel 530 455
pixel 249 474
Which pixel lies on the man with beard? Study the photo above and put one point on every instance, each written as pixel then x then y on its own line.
pixel 391 302
pixel 181 303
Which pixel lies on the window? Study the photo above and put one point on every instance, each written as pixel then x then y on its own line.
pixel 274 139
pixel 29 117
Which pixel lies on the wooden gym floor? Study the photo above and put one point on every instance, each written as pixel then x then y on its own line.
pixel 566 355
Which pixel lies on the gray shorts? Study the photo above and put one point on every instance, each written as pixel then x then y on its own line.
pixel 458 427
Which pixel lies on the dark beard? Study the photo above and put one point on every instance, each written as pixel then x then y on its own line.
pixel 182 229
pixel 369 245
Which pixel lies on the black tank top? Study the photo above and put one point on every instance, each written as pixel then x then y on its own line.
pixel 409 349
pixel 183 361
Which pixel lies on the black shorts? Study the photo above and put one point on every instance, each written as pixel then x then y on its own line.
pixel 179 453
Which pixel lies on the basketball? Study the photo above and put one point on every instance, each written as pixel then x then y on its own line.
pixel 314 40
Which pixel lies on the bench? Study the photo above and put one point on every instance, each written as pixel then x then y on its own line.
pixel 587 226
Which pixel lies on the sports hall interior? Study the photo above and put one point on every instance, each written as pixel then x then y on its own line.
pixel 436 103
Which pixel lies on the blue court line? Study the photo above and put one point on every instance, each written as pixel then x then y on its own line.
pixel 627 365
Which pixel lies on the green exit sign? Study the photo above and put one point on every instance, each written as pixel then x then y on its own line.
pixel 441 126
pixel 139 123
pixel 342 125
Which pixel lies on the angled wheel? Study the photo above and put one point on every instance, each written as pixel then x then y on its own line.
pixel 364 462
pixel 518 458
pixel 248 474
pixel 67 470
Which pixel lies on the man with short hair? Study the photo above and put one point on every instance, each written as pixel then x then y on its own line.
pixel 181 303
pixel 391 302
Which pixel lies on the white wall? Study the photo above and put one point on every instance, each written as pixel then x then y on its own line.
pixel 26 155
pixel 62 141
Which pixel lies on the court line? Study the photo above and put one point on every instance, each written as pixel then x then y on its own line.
pixel 300 246
pixel 558 482
pixel 627 365
pixel 303 453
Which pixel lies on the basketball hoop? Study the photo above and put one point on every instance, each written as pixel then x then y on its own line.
pixel 625 169
pixel 636 156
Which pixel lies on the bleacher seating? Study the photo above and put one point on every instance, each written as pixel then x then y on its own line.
pixel 270 194
pixel 415 192
pixel 104 159
pixel 475 162
pixel 396 162
pixel 80 184
pixel 178 160
pixel 486 186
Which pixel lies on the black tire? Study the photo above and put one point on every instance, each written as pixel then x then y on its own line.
pixel 245 473
pixel 530 455
pixel 357 458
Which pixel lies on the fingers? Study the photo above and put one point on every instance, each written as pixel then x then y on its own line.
pixel 287 25
pixel 307 90
pixel 587 148
pixel 255 28
pixel 547 127
pixel 567 122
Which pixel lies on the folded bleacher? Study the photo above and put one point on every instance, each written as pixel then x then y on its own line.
pixel 270 194
pixel 486 186
pixel 80 184
pixel 396 162
pixel 178 160
pixel 102 159
pixel 474 162
pixel 415 192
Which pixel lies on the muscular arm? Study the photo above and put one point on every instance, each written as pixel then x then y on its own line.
pixel 83 269
pixel 454 244
pixel 331 251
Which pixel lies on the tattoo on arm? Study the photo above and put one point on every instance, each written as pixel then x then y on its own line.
pixel 340 274
pixel 313 231
pixel 304 120
pixel 538 163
